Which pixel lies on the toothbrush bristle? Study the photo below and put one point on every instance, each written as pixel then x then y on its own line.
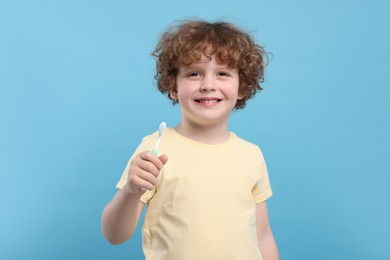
pixel 162 127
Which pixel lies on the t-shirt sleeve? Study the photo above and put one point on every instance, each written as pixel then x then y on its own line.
pixel 261 190
pixel 144 146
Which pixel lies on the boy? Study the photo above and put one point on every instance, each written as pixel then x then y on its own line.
pixel 208 200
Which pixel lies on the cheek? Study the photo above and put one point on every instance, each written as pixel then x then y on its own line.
pixel 182 94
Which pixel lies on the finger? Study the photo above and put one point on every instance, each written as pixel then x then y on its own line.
pixel 143 184
pixel 144 170
pixel 148 177
pixel 144 181
pixel 151 157
pixel 163 158
pixel 148 167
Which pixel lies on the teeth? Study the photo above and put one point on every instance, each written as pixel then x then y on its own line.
pixel 208 100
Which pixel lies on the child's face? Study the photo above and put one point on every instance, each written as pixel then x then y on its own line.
pixel 207 92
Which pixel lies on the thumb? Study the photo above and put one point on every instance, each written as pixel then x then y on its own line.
pixel 163 158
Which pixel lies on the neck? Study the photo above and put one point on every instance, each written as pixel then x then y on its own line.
pixel 205 134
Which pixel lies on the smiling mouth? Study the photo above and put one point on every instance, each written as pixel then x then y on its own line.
pixel 208 101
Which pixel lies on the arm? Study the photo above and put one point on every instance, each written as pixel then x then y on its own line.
pixel 120 216
pixel 265 237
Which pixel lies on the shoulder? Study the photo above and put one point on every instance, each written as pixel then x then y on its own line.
pixel 245 145
pixel 168 137
pixel 148 141
pixel 247 151
pixel 151 138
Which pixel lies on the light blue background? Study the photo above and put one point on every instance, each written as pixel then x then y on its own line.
pixel 77 95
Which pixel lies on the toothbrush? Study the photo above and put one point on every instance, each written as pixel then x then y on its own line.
pixel 161 130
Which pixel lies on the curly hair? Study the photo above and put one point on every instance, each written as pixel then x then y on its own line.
pixel 185 43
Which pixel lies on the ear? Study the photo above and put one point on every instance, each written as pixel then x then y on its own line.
pixel 240 96
pixel 173 94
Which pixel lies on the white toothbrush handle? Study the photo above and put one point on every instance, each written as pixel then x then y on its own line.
pixel 155 150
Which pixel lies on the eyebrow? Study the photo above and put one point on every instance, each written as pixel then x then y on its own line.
pixel 198 64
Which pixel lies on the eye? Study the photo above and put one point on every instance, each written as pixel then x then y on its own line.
pixel 193 74
pixel 223 74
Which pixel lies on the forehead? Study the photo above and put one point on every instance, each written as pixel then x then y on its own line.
pixel 207 62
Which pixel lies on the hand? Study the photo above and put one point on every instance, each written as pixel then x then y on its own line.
pixel 143 172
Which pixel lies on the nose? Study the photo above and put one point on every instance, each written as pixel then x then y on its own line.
pixel 207 84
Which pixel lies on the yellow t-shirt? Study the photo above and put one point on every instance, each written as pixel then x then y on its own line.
pixel 204 204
